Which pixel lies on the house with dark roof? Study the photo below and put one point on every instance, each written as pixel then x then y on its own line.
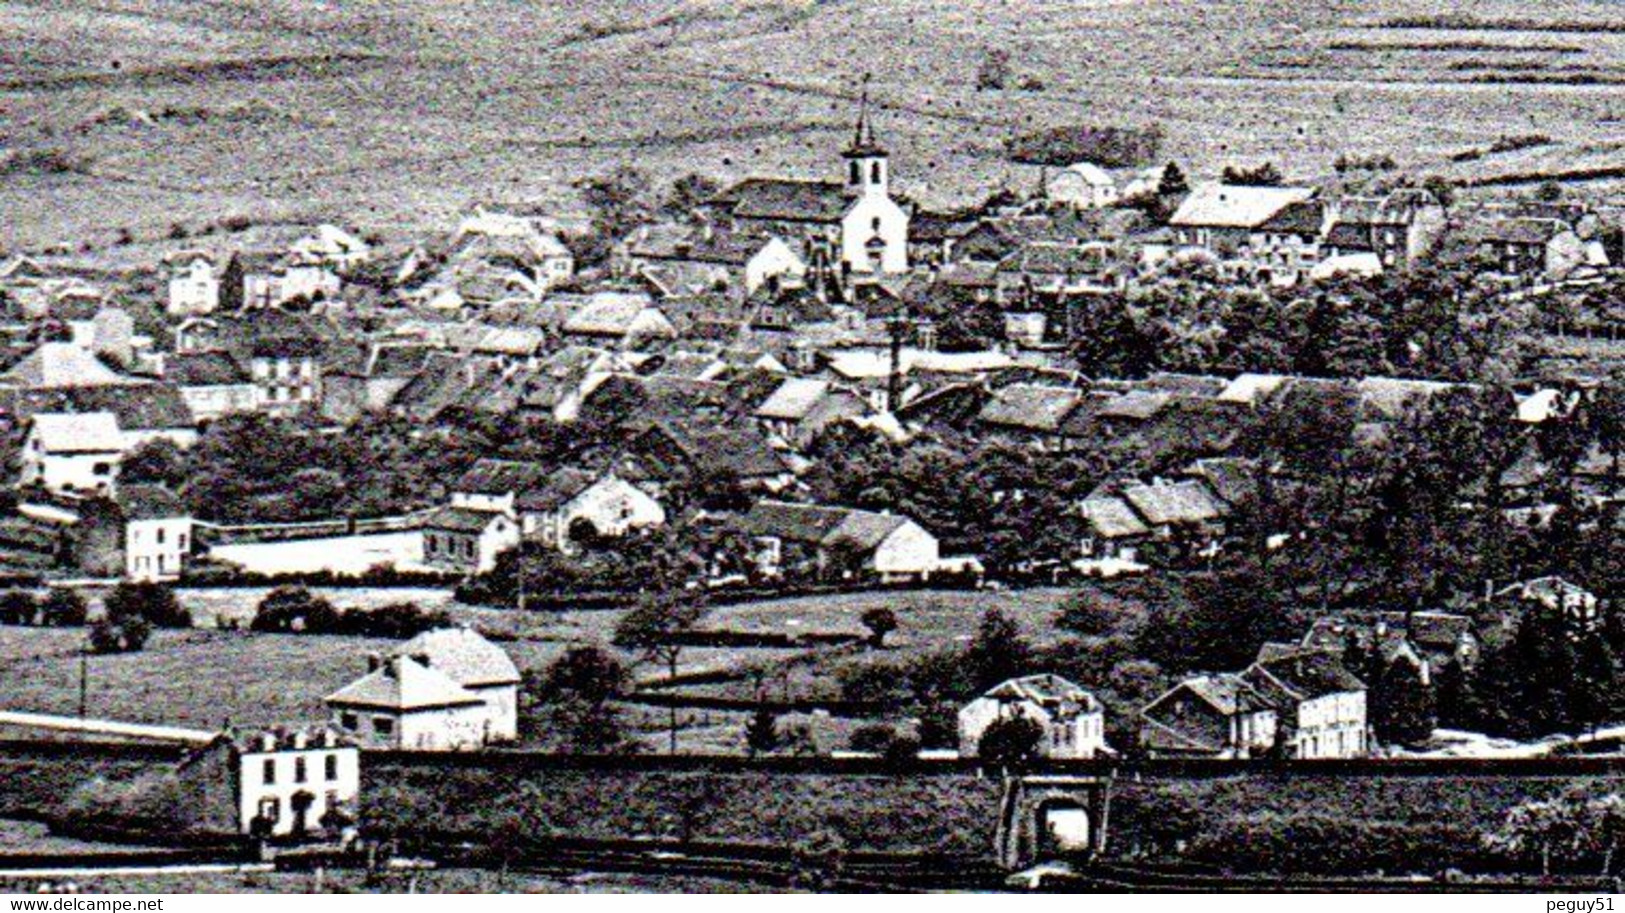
pixel 823 543
pixel 75 454
pixel 673 449
pixel 800 407
pixel 1527 249
pixel 465 541
pixel 1029 414
pixel 557 506
pixel 213 383
pixel 285 783
pixel 1209 716
pixel 1320 705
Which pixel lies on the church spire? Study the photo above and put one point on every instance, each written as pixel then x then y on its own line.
pixel 863 133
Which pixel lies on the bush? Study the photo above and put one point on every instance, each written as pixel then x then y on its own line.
pixel 872 737
pixel 399 621
pixel 1328 845
pixel 64 608
pixel 1010 740
pixel 124 635
pixel 289 609
pixel 17 607
pixel 152 602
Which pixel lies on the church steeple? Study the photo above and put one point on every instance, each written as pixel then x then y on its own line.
pixel 867 166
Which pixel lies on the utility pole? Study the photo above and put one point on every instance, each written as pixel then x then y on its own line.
pixel 519 571
pixel 84 680
pixel 894 377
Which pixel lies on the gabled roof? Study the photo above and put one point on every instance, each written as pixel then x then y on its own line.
pixel 1112 518
pixel 1135 404
pixel 500 477
pixel 465 656
pixel 793 399
pixel 401 683
pixel 1061 697
pixel 461 520
pixel 89 432
pixel 557 489
pixel 1091 174
pixel 1232 206
pixel 784 200
pixel 606 313
pixel 1302 676
pixel 1030 406
pixel 61 364
pixel 1301 217
pixel 1517 231
pixel 139 407
pixel 833 527
pixel 1233 479
pixel 1169 503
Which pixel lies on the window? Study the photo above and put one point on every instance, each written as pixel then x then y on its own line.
pixel 270 772
pixel 270 809
pixel 383 725
pixel 857 173
pixel 102 469
pixel 331 766
pixel 299 772
pixel 180 541
pixel 160 535
pixel 874 173
pixel 349 721
pixel 875 223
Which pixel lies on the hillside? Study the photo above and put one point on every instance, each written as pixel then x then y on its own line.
pixel 394 115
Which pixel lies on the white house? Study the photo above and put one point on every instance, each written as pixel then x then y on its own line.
pixel 838 542
pixel 334 247
pixel 157 533
pixel 1082 186
pixel 773 261
pixel 570 499
pixel 1320 706
pixel 194 283
pixel 467 541
pixel 444 690
pixel 275 784
pixel 73 453
pixel 1074 722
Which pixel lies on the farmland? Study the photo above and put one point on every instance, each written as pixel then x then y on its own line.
pixel 275 110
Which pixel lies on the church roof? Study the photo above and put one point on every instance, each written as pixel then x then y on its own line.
pixel 787 200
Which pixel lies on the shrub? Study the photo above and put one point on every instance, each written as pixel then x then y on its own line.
pixel 288 609
pixel 152 602
pixel 1010 740
pixel 1109 147
pixel 17 607
pixel 872 737
pixel 398 621
pixel 123 635
pixel 63 608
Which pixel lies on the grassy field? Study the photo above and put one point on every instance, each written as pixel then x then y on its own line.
pixel 393 116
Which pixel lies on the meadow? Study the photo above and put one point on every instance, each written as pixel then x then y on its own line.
pixel 394 116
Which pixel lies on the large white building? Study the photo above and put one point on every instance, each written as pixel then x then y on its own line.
pixel 274 784
pixel 157 533
pixel 444 690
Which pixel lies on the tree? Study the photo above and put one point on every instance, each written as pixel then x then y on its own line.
pixel 1265 175
pixel 571 702
pixel 158 462
pixel 655 627
pixel 119 635
pixel 1402 706
pixel 289 609
pixel 762 735
pixel 152 602
pixel 1010 741
pixel 64 608
pixel 1173 182
pixel 998 652
pixel 17 607
pixel 880 621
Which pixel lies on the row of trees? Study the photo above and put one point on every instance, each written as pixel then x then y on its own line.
pixel 295 610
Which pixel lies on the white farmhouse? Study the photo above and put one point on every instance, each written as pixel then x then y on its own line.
pixel 157 533
pixel 1074 722
pixel 194 283
pixel 274 784
pixel 838 542
pixel 444 690
pixel 571 500
pixel 73 453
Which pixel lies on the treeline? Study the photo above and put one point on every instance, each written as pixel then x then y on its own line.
pixel 295 610
pixel 1106 146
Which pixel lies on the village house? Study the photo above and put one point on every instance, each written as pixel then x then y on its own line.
pixel 273 784
pixel 445 690
pixel 157 533
pixel 194 283
pixel 270 279
pixel 59 366
pixel 72 453
pixel 213 383
pixel 1028 415
pixel 1249 230
pixel 515 241
pixel 1320 706
pixel 1082 185
pixel 332 247
pixel 1528 249
pixel 678 260
pixel 801 407
pixel 624 319
pixel 1441 639
pixel 465 541
pixel 838 543
pixel 573 503
pixel 1208 716
pixel 1113 536
pixel 1073 721
pixel 1396 231
pixel 1580 607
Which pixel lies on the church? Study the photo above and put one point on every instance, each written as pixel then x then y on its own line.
pixel 852 229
